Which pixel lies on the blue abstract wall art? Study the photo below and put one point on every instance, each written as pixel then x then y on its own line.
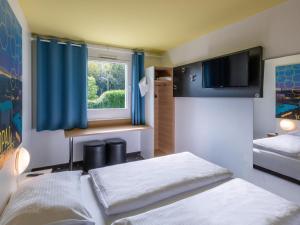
pixel 288 91
pixel 10 81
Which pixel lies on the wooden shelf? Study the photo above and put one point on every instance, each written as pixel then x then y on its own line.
pixel 103 130
pixel 163 82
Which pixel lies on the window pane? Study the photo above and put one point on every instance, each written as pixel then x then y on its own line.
pixel 106 85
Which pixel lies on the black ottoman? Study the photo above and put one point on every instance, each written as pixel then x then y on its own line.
pixel 94 155
pixel 115 151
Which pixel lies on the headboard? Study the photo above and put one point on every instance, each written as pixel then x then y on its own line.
pixel 7 180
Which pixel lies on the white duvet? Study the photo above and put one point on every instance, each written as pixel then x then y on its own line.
pixel 130 186
pixel 235 202
pixel 287 145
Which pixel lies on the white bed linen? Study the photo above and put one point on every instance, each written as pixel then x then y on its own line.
pixel 97 211
pixel 235 202
pixel 46 199
pixel 287 144
pixel 278 163
pixel 130 186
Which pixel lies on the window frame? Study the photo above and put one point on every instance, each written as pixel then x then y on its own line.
pixel 115 113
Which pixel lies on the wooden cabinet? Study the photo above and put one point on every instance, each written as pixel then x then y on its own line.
pixel 164 117
pixel 160 112
pixel 163 111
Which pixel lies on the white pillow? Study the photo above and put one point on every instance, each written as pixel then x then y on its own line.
pixel 46 199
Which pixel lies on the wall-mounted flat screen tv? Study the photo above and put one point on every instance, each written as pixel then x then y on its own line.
pixel 227 71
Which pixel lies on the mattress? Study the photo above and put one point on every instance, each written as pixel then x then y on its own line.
pixel 278 163
pixel 287 145
pixel 97 211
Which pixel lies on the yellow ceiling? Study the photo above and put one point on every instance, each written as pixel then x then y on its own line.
pixel 155 25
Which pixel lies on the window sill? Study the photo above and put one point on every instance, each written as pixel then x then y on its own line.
pixel 104 127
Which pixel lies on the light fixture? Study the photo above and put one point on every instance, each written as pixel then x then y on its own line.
pixel 287 125
pixel 22 160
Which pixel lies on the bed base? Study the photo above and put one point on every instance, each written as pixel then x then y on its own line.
pixel 290 179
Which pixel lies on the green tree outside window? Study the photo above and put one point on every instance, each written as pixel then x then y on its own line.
pixel 106 85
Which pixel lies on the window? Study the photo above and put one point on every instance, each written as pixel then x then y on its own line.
pixel 108 89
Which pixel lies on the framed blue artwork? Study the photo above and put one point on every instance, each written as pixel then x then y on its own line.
pixel 10 81
pixel 288 91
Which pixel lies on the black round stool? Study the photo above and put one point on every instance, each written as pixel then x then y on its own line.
pixel 115 151
pixel 94 155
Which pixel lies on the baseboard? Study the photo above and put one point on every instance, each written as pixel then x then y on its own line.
pixel 58 166
pixel 132 156
pixel 290 179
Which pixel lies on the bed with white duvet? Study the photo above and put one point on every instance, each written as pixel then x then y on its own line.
pixel 230 202
pixel 67 198
pixel 280 154
pixel 129 189
pixel 134 185
pixel 97 211
pixel 235 202
pixel 287 144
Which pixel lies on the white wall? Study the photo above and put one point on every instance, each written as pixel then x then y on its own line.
pixel 217 129
pixel 221 129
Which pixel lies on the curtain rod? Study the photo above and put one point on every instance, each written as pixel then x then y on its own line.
pixel 60 40
pixel 94 46
pixel 62 43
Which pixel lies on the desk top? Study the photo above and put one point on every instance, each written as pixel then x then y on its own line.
pixel 104 130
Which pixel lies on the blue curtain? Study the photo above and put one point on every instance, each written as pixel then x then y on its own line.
pixel 138 102
pixel 61 85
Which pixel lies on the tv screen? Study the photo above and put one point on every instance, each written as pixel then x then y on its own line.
pixel 228 71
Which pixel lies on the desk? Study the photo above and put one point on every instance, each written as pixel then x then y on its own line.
pixel 98 129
